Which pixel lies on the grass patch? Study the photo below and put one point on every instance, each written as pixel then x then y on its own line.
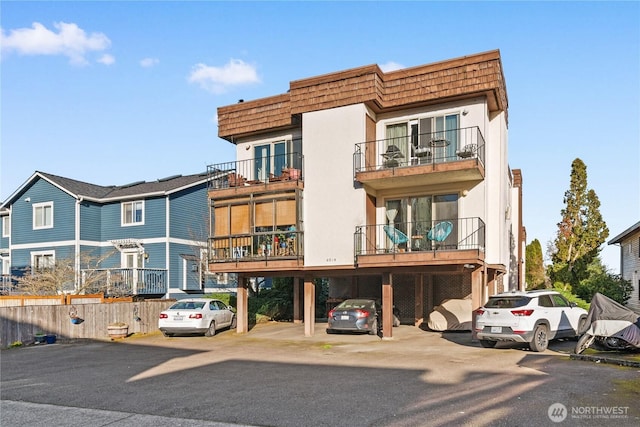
pixel 628 388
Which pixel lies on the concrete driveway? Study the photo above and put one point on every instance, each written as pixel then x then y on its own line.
pixel 274 376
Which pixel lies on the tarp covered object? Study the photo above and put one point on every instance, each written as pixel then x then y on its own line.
pixel 604 308
pixel 451 315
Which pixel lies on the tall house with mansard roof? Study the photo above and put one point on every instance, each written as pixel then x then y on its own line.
pixel 393 185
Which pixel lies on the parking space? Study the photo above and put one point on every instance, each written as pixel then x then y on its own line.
pixel 276 376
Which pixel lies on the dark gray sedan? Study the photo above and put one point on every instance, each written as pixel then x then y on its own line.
pixel 354 315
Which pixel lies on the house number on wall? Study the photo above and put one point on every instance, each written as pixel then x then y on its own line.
pixel 330 260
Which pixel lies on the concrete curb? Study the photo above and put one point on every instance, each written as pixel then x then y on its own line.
pixel 602 359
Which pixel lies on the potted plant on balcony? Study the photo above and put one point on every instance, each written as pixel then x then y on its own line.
pixel 118 330
pixel 265 245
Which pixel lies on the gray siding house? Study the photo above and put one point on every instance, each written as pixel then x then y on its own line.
pixel 149 236
pixel 629 241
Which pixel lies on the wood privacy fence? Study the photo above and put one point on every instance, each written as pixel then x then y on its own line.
pixel 21 323
pixel 21 300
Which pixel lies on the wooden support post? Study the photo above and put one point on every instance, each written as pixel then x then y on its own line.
pixel 309 307
pixel 387 306
pixel 477 298
pixel 242 309
pixel 419 299
pixel 297 304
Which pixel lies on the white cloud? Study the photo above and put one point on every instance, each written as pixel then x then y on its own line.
pixel 391 66
pixel 149 62
pixel 219 79
pixel 107 59
pixel 69 40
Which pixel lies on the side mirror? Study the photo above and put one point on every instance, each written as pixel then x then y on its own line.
pixel 573 304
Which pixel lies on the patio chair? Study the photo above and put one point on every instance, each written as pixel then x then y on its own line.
pixel 396 236
pixel 440 232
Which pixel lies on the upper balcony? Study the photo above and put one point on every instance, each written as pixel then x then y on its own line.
pixel 455 155
pixel 280 172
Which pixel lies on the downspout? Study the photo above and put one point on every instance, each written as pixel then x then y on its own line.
pixel 167 245
pixel 79 201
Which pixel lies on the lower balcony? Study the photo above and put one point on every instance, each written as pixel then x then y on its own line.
pixel 264 246
pixel 459 240
pixel 125 281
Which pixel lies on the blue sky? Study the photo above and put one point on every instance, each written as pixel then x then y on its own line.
pixel 115 92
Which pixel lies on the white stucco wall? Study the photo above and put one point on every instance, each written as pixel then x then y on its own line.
pixel 332 206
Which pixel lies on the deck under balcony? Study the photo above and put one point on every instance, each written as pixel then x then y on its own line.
pixel 456 155
pixel 455 241
pixel 265 174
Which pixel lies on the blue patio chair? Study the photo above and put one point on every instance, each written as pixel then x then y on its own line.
pixel 396 236
pixel 440 231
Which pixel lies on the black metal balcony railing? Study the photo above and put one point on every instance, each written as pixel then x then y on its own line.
pixel 423 149
pixel 451 234
pixel 283 244
pixel 239 173
pixel 126 281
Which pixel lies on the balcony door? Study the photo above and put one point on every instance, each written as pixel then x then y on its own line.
pixel 262 167
pixel 130 261
pixel 415 216
pixel 423 140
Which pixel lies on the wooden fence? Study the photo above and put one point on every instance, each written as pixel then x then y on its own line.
pixel 22 300
pixel 21 323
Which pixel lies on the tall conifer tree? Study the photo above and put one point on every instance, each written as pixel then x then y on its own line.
pixel 581 230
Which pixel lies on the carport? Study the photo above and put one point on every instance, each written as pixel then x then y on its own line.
pixel 415 290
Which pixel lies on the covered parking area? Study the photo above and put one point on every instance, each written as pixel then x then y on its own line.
pixel 413 291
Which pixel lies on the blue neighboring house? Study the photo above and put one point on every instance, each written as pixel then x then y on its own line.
pixel 150 235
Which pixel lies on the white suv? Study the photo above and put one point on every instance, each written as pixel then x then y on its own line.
pixel 534 317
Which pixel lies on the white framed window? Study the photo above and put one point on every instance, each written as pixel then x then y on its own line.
pixel 6 226
pixel 42 260
pixel 133 213
pixel 42 215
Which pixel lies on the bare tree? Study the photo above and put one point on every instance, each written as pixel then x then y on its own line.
pixel 71 275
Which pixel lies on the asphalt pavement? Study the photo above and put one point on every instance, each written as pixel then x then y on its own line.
pixel 275 376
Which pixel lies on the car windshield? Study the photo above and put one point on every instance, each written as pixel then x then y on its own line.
pixel 356 303
pixel 507 302
pixel 187 305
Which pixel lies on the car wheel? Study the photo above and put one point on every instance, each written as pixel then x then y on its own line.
pixel 212 329
pixel 488 343
pixel 234 322
pixel 374 328
pixel 583 343
pixel 540 340
pixel 582 326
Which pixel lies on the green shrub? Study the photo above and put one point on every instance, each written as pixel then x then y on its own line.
pixel 565 290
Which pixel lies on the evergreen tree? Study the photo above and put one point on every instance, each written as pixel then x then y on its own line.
pixel 535 276
pixel 581 230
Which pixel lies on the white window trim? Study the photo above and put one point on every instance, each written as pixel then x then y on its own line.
pixel 41 253
pixel 6 264
pixel 6 226
pixel 42 205
pixel 122 216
